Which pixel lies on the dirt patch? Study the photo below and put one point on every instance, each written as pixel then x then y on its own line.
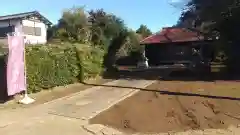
pixel 176 106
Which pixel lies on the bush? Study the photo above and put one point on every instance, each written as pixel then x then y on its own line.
pixel 91 60
pixel 50 66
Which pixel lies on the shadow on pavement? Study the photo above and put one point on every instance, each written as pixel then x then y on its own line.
pixel 166 73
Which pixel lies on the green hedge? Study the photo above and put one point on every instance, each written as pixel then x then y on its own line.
pixel 49 66
pixel 91 60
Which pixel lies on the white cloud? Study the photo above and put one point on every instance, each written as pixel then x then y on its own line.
pixel 178 3
pixel 175 1
pixel 5 13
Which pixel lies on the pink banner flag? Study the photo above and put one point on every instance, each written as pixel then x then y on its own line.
pixel 16 79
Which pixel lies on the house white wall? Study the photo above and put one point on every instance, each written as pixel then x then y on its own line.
pixel 31 39
pixel 35 39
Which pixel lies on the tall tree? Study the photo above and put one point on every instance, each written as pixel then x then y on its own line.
pixel 218 18
pixel 74 25
pixel 144 31
pixel 104 26
pixel 214 15
pixel 117 42
pixel 98 19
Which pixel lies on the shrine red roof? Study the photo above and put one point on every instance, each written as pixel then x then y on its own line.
pixel 173 34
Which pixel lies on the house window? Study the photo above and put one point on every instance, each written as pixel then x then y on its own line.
pixel 5 30
pixel 35 31
pixel 28 30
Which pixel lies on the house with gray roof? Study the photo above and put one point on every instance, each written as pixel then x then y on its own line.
pixel 32 24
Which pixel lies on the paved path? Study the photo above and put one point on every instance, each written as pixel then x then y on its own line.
pixel 69 115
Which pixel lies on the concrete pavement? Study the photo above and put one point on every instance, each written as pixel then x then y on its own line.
pixel 69 115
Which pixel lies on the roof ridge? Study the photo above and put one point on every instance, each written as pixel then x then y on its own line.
pixel 35 11
pixel 173 34
pixel 147 37
pixel 25 14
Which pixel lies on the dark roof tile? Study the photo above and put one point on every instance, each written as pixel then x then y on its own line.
pixel 173 34
pixel 22 15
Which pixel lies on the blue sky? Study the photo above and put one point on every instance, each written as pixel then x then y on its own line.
pixel 153 13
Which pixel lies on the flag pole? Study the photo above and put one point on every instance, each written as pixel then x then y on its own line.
pixel 26 99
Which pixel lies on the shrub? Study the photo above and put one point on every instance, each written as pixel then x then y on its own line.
pixel 50 66
pixel 91 60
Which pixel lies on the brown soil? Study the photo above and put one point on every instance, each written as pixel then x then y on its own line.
pixel 157 111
